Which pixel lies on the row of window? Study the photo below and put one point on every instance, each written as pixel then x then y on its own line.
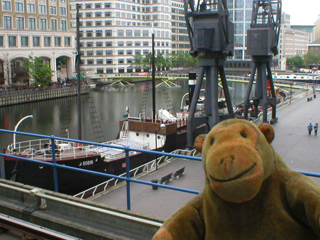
pixel 43 24
pixel 122 5
pixel 129 52
pixel 35 41
pixel 124 43
pixel 128 15
pixel 31 8
pixel 107 61
pixel 127 33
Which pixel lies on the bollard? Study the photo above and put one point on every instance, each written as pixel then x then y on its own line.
pixel 154 181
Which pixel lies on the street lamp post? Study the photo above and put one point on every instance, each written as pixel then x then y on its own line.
pixel 16 128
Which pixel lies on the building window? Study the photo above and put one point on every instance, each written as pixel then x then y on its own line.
pixel 42 9
pixel 67 41
pixel 63 11
pixel 98 23
pixel 109 52
pixel 129 33
pixel 107 14
pixel 19 7
pixel 89 53
pixel 88 23
pixel 129 43
pixel 99 53
pixel 90 62
pixel 63 26
pixel 89 33
pixel 108 33
pixel 121 61
pixel 20 23
pixel 47 41
pixel 53 10
pixel 98 5
pixel 53 25
pixel 1 41
pixel 89 44
pixel 88 5
pixel 145 43
pixel 12 41
pixel 121 43
pixel 7 22
pixel 43 24
pixel 129 52
pixel 31 8
pixel 24 41
pixel 137 33
pixel 36 41
pixel 32 23
pixel 99 70
pixel 145 33
pixel 107 5
pixel 137 43
pixel 100 61
pixel 57 41
pixel 6 6
pixel 120 33
pixel 120 52
pixel 99 44
pixel 109 44
pixel 88 14
pixel 109 70
pixel 99 33
pixel 109 61
pixel 108 23
pixel 98 14
pixel 129 60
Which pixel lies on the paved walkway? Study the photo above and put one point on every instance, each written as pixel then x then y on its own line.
pixel 292 142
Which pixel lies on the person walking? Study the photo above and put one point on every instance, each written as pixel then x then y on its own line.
pixel 316 126
pixel 310 128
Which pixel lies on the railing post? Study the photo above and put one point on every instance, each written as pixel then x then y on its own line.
pixel 55 175
pixel 128 178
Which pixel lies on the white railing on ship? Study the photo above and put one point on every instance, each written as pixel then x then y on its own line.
pixel 30 148
pixel 145 168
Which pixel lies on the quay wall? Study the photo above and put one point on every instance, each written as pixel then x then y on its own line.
pixel 34 95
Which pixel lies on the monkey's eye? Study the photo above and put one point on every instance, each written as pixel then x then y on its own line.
pixel 212 141
pixel 243 134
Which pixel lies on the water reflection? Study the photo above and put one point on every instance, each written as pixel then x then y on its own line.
pixel 53 117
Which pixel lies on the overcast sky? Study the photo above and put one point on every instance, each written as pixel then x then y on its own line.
pixel 302 12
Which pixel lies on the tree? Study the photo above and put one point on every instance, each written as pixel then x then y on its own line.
pixel 311 58
pixel 183 59
pixel 138 61
pixel 296 62
pixel 39 70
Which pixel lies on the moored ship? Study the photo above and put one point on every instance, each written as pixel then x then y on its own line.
pixel 167 133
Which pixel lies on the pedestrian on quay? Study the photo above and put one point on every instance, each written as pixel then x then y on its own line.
pixel 310 128
pixel 316 126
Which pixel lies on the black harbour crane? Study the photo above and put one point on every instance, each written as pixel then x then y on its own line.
pixel 262 45
pixel 211 37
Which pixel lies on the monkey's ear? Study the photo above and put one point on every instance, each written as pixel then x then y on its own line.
pixel 198 142
pixel 267 131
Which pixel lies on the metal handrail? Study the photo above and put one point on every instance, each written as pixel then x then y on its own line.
pixel 128 179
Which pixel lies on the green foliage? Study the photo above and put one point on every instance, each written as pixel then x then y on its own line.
pixel 296 62
pixel 311 58
pixel 183 59
pixel 179 59
pixel 39 70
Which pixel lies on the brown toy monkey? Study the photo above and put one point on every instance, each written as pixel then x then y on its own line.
pixel 250 192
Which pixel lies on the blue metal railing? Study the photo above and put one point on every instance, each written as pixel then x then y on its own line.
pixel 126 149
pixel 55 165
